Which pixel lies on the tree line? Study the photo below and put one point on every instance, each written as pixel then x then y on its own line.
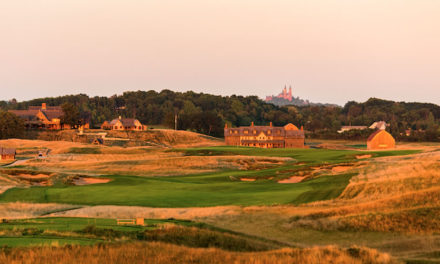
pixel 208 114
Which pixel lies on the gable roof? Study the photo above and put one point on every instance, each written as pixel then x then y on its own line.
pixel 126 122
pixel 7 151
pixel 371 137
pixel 55 112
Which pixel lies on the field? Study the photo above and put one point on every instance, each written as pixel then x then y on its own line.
pixel 232 198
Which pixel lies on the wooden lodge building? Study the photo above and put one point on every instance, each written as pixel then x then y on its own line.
pixel 124 124
pixel 43 117
pixel 7 153
pixel 288 136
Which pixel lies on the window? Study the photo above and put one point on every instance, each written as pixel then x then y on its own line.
pixel 246 131
pixel 255 131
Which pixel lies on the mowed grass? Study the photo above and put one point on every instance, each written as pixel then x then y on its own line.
pixel 209 189
pixel 185 191
pixel 67 230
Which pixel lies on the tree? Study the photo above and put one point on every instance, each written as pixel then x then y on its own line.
pixel 71 115
pixel 11 126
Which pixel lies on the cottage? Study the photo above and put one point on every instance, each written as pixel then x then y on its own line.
pixel 43 117
pixel 288 136
pixel 124 124
pixel 7 153
pixel 381 139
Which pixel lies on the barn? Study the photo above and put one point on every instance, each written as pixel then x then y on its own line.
pixel 381 139
pixel 7 153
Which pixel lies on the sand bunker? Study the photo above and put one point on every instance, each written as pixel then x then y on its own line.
pixel 247 179
pixel 87 181
pixel 293 179
pixel 363 156
pixel 32 177
pixel 338 169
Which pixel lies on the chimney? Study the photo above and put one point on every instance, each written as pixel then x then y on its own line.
pixel 120 117
pixel 226 125
pixel 270 124
pixel 43 106
pixel 302 128
pixel 252 124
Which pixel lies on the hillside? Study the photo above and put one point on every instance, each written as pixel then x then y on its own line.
pixel 151 137
pixel 207 114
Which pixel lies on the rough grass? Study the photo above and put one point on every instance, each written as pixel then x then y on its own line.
pixel 157 252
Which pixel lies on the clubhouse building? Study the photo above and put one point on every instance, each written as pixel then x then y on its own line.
pixel 288 136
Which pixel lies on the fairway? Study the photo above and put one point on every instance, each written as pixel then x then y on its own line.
pixel 210 189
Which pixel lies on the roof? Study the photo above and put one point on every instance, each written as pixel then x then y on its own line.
pixel 354 127
pixel 126 122
pixel 376 133
pixel 379 125
pixel 276 131
pixel 7 151
pixel 51 114
pixel 30 113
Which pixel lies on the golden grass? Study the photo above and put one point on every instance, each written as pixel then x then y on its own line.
pixel 113 211
pixel 29 210
pixel 156 252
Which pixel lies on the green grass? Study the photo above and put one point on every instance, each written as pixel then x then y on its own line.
pixel 79 223
pixel 209 189
pixel 44 240
pixel 86 231
pixel 31 232
pixel 301 155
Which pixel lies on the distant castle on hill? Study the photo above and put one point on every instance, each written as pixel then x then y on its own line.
pixel 282 95
pixel 286 98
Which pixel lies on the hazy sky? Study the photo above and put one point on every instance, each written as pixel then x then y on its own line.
pixel 330 51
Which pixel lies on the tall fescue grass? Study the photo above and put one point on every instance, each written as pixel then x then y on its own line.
pixel 157 252
pixel 399 194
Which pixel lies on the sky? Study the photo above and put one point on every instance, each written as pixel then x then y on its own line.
pixel 330 51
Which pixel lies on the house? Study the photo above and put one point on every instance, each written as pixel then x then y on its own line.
pixel 288 136
pixel 381 139
pixel 124 124
pixel 348 128
pixel 7 153
pixel 43 117
pixel 380 125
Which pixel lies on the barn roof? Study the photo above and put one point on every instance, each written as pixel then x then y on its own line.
pixel 376 133
pixel 7 151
